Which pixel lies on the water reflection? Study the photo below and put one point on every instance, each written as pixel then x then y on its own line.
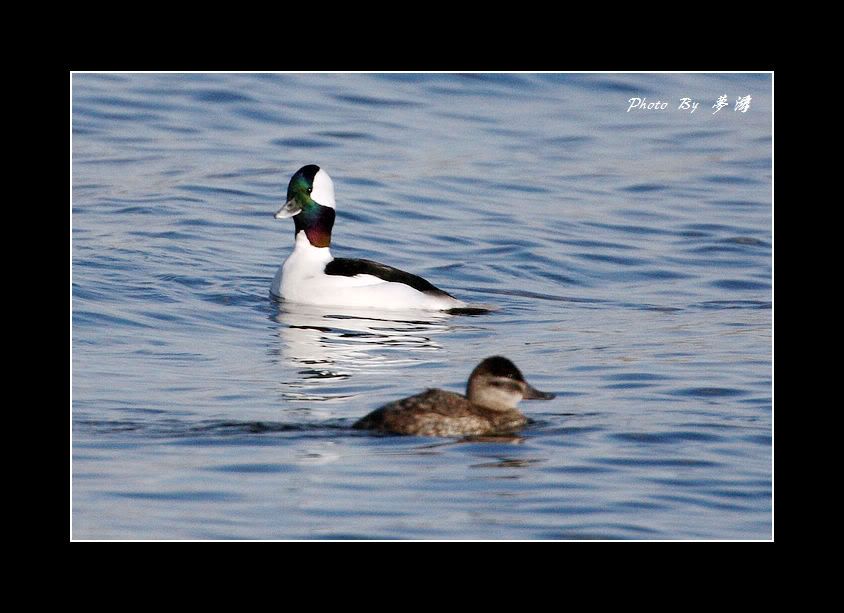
pixel 332 343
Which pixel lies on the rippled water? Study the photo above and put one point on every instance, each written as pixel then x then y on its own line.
pixel 629 256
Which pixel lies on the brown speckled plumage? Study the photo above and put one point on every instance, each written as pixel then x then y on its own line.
pixel 435 412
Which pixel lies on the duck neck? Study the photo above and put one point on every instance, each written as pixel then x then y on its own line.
pixel 316 221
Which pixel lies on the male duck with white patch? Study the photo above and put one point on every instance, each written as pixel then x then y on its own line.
pixel 311 275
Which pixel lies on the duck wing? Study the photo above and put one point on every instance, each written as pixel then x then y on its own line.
pixel 348 267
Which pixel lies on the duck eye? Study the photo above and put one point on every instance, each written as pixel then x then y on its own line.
pixel 310 189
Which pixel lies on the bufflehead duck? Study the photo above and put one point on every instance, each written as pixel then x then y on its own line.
pixel 311 275
pixel 489 407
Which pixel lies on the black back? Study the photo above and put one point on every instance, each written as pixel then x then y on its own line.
pixel 346 267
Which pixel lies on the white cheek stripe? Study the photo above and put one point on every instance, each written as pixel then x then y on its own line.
pixel 323 191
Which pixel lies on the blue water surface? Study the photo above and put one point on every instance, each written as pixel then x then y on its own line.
pixel 628 255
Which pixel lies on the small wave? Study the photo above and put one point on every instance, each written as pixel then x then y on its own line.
pixel 172 428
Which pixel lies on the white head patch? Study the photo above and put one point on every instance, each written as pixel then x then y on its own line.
pixel 323 191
